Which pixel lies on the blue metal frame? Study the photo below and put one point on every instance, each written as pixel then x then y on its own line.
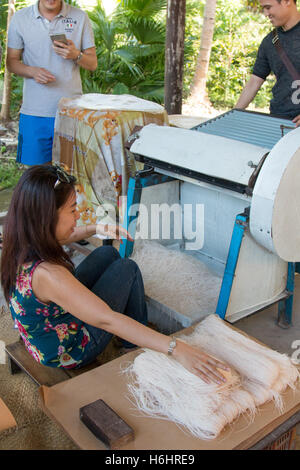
pixel 143 179
pixel 240 225
pixel 285 306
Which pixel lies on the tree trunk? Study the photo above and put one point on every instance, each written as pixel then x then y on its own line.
pixel 198 92
pixel 174 55
pixel 5 108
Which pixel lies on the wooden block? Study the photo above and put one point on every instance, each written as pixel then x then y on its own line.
pixel 106 424
pixel 13 366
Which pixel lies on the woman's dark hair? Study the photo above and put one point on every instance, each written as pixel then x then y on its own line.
pixel 29 228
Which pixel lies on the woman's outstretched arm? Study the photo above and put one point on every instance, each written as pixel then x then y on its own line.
pixel 81 232
pixel 55 283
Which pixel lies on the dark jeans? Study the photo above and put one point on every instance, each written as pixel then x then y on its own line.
pixel 119 283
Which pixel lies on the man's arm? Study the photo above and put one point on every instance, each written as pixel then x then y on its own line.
pixel 249 91
pixel 15 65
pixel 88 58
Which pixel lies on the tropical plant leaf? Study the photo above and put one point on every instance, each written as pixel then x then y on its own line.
pixel 147 31
pixel 127 58
pixel 144 50
pixel 120 89
pixel 144 8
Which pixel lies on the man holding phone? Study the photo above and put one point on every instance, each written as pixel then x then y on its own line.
pixel 48 42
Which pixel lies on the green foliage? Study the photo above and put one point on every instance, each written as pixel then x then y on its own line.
pixel 130 50
pixel 238 33
pixel 253 5
pixel 193 27
pixel 10 173
pixel 143 8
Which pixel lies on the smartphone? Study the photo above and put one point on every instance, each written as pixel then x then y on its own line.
pixel 59 37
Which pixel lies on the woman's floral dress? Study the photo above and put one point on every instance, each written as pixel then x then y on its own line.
pixel 52 336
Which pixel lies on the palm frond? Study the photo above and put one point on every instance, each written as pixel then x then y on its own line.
pixel 144 8
pixel 142 51
pixel 151 92
pixel 147 31
pixel 127 58
pixel 104 30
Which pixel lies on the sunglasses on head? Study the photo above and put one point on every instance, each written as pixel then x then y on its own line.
pixel 63 176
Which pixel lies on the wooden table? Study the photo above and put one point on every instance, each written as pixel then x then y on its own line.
pixel 63 401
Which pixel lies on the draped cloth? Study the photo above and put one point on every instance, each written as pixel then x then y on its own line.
pixel 89 137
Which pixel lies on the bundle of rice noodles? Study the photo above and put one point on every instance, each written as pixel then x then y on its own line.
pixel 161 387
pixel 265 376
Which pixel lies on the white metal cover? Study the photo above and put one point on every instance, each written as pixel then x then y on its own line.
pixel 211 155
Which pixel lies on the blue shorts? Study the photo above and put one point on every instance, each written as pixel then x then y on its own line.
pixel 35 139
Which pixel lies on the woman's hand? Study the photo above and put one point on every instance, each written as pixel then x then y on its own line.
pixel 199 363
pixel 115 232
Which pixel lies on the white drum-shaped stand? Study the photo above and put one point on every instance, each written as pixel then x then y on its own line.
pixel 275 207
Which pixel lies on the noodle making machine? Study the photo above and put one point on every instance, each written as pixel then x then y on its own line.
pixel 235 179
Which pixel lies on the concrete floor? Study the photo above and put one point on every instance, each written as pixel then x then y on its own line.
pixel 263 326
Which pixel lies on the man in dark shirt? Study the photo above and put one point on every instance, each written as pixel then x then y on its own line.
pixel 284 16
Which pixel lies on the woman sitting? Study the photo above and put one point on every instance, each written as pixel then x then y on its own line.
pixel 67 316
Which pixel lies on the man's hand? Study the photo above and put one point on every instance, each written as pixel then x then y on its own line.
pixel 66 51
pixel 15 65
pixel 296 120
pixel 42 76
pixel 69 51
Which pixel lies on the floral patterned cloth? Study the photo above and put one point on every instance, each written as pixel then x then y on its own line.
pixel 52 336
pixel 89 142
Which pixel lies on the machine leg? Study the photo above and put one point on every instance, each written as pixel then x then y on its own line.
pixel 144 179
pixel 133 198
pixel 107 242
pixel 285 307
pixel 233 255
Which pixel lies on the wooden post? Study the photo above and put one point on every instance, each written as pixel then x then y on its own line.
pixel 198 91
pixel 174 55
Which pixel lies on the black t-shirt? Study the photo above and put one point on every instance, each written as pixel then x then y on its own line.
pixel 286 99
